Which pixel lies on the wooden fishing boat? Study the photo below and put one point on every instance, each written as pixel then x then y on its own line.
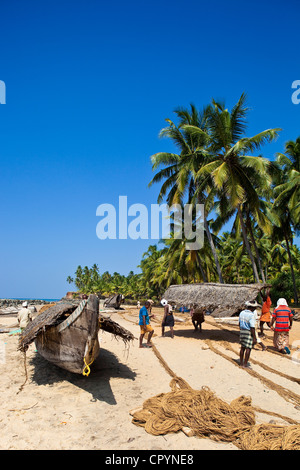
pixel 115 301
pixel 73 344
pixel 67 334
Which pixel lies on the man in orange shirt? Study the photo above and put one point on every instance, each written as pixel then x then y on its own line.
pixel 265 312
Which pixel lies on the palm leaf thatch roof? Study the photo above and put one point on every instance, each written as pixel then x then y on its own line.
pixel 56 314
pixel 49 317
pixel 222 300
pixel 109 325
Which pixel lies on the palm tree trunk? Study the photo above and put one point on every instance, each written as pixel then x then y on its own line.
pixel 246 241
pixel 256 251
pixel 213 249
pixel 201 200
pixel 292 267
pixel 201 267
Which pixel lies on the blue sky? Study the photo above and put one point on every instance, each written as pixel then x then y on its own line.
pixel 88 88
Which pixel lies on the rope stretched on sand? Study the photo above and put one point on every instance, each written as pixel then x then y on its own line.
pixel 173 375
pixel 282 391
pixel 260 410
pixel 237 333
pixel 26 373
pixel 206 415
pixel 263 366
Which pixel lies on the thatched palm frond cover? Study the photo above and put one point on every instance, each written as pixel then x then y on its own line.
pixel 56 314
pixel 222 300
pixel 49 317
pixel 115 329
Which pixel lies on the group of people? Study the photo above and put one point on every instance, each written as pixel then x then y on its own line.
pixel 145 315
pixel 280 321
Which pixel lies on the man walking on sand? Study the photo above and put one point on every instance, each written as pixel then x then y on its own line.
pixel 24 316
pixel 283 319
pixel 265 312
pixel 247 320
pixel 145 327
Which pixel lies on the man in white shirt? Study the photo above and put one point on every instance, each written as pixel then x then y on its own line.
pixel 247 320
pixel 24 316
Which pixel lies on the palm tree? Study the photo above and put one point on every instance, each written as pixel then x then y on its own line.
pixel 286 206
pixel 231 251
pixel 180 169
pixel 287 192
pixel 285 229
pixel 235 173
pixel 149 265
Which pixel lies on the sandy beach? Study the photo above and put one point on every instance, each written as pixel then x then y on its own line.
pixel 59 410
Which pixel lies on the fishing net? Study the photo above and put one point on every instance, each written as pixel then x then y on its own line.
pixel 200 410
pixel 203 414
pixel 271 437
pixel 206 415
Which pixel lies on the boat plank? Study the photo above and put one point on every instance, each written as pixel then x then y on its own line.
pixel 69 346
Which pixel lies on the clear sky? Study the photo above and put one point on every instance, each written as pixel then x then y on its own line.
pixel 88 88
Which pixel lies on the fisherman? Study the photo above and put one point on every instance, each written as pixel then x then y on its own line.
pixel 197 315
pixel 168 318
pixel 283 319
pixel 257 334
pixel 265 312
pixel 145 327
pixel 247 320
pixel 24 316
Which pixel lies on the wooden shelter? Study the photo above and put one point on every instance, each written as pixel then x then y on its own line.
pixel 222 300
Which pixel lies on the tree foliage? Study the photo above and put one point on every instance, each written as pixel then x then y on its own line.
pixel 216 164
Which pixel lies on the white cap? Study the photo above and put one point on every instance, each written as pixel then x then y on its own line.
pixel 164 302
pixel 281 301
pixel 25 304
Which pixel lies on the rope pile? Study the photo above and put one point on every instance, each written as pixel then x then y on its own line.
pixel 206 415
pixel 271 437
pixel 201 413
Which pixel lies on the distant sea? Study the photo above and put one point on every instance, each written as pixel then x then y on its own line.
pixel 45 300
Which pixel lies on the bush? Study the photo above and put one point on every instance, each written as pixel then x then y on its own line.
pixel 282 286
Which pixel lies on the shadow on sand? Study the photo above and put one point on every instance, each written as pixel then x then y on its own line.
pixel 105 367
pixel 206 333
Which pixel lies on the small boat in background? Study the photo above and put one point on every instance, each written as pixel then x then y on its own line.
pixel 115 301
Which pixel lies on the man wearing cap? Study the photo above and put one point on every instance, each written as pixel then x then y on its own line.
pixel 24 316
pixel 283 319
pixel 247 320
pixel 168 318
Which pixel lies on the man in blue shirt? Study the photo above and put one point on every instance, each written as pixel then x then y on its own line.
pixel 144 322
pixel 247 320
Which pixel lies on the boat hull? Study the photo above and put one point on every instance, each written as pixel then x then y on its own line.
pixel 73 344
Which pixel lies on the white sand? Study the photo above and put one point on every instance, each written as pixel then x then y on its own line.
pixel 59 410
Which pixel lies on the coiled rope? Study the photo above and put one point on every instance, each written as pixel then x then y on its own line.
pixel 206 415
